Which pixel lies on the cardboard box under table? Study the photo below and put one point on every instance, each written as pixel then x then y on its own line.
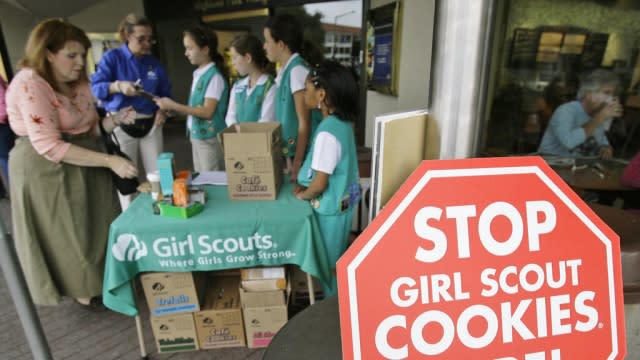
pixel 226 234
pixel 174 333
pixel 264 278
pixel 253 160
pixel 219 322
pixel 300 287
pixel 173 293
pixel 264 312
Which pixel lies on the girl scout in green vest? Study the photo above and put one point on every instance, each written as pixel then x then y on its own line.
pixel 282 43
pixel 208 99
pixel 252 97
pixel 329 175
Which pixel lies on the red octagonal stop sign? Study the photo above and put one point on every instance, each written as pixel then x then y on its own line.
pixel 483 259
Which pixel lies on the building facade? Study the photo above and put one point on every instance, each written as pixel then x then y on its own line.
pixel 342 43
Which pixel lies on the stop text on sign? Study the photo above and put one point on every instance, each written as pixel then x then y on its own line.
pixel 461 215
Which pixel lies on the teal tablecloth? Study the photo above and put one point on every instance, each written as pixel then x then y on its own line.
pixel 227 234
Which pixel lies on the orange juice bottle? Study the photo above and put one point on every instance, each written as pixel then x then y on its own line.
pixel 180 193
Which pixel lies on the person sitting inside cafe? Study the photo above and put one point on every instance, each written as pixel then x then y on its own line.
pixel 577 128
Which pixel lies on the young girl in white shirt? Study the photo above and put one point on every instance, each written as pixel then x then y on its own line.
pixel 329 177
pixel 283 42
pixel 207 101
pixel 252 97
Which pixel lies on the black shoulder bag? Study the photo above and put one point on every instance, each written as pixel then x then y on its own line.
pixel 125 186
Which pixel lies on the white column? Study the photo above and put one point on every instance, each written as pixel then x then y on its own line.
pixel 459 73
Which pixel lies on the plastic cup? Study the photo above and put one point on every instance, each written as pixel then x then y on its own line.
pixel 154 180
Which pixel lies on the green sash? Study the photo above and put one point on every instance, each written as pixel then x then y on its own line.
pixel 208 128
pixel 249 108
pixel 343 190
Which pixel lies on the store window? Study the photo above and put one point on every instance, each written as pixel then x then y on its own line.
pixel 543 48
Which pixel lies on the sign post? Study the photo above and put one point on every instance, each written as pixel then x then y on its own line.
pixel 483 259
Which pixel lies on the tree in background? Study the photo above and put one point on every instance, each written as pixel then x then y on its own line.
pixel 313 32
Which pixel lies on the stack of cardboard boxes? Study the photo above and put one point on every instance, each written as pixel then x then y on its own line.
pixel 211 310
pixel 264 293
pixel 219 321
pixel 172 300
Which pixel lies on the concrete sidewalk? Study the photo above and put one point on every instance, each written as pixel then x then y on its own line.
pixel 76 333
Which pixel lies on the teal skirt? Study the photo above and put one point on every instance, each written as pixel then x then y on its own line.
pixel 335 231
pixel 61 216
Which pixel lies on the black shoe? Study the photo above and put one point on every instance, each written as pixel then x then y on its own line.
pixel 94 305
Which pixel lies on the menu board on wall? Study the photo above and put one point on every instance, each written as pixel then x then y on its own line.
pixel 594 48
pixel 524 48
pixel 549 46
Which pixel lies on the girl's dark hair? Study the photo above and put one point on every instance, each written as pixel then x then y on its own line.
pixel 286 28
pixel 204 36
pixel 249 44
pixel 341 88
pixel 311 53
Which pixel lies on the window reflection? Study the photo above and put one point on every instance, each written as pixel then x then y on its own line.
pixel 544 48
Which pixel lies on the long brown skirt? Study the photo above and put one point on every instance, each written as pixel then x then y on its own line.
pixel 61 217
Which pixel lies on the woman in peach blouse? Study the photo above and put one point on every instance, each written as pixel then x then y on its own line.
pixel 62 193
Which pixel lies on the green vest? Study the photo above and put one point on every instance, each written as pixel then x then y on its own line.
pixel 343 189
pixel 249 108
pixel 208 128
pixel 286 110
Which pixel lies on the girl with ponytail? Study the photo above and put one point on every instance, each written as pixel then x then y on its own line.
pixel 329 177
pixel 207 100
pixel 283 43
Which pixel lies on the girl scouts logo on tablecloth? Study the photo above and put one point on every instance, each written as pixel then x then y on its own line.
pixel 128 247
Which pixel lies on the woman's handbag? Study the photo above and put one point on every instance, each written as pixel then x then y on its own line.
pixel 125 186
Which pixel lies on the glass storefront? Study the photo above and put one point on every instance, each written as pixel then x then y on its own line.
pixel 542 48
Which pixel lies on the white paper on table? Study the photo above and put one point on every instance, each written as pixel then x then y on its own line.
pixel 210 178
